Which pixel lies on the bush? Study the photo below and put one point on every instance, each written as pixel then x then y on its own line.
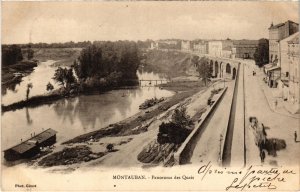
pixel 177 130
pixel 172 133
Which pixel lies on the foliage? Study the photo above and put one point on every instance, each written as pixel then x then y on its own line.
pixel 177 129
pixel 64 77
pixel 108 64
pixel 11 55
pixel 204 68
pixel 69 44
pixel 181 118
pixel 261 55
pixel 49 87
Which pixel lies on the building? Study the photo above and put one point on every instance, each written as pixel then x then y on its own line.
pixel 201 47
pixel 154 45
pixel 227 52
pixel 185 45
pixel 283 61
pixel 215 48
pixel 276 34
pixel 31 147
pixel 294 66
pixel 245 48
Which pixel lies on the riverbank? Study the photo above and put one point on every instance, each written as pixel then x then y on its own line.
pixel 55 95
pixel 12 75
pixel 32 102
pixel 128 126
pixel 121 133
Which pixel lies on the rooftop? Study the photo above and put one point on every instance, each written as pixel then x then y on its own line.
pixel 30 143
pixel 281 24
pixel 245 42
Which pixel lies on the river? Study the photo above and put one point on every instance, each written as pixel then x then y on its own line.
pixel 71 116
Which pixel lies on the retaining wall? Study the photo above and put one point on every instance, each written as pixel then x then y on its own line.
pixel 184 153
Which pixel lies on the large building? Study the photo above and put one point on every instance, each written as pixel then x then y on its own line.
pixel 185 45
pixel 276 34
pixel 233 48
pixel 283 61
pixel 201 47
pixel 294 66
pixel 215 48
pixel 245 48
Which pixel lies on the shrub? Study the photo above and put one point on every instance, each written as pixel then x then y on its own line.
pixel 177 130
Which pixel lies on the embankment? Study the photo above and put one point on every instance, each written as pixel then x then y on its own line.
pixel 185 151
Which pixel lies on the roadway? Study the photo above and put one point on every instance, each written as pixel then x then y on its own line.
pixel 208 145
pixel 278 126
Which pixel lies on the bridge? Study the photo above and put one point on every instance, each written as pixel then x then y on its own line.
pixel 222 67
pixel 152 82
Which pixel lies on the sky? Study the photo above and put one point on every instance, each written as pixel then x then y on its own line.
pixel 24 22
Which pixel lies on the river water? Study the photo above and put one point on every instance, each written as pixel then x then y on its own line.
pixel 71 116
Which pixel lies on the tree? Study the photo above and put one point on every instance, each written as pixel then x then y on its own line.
pixel 11 55
pixel 180 117
pixel 108 64
pixel 261 55
pixel 204 69
pixel 177 130
pixel 49 87
pixel 64 77
pixel 29 86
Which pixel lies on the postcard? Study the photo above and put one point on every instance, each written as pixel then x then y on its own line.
pixel 150 96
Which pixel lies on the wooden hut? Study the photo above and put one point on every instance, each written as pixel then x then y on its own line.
pixel 31 146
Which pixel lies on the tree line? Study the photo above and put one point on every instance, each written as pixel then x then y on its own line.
pixel 13 54
pixel 102 66
pixel 69 44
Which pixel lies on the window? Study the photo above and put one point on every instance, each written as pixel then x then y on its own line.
pixel 287 74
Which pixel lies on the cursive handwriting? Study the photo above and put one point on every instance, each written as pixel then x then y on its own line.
pixel 255 177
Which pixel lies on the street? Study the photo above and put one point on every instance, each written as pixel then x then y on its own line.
pixel 277 125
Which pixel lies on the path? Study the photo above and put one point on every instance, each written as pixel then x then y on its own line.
pixel 208 145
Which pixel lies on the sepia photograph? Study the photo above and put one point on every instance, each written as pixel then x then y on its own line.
pixel 150 96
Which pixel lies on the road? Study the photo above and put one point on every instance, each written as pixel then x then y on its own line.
pixel 208 145
pixel 278 126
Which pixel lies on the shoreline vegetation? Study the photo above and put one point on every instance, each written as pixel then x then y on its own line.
pixel 102 66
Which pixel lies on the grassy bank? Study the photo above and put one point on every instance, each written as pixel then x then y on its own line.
pixel 32 102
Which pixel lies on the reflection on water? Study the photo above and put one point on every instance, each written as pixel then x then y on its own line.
pixel 74 116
